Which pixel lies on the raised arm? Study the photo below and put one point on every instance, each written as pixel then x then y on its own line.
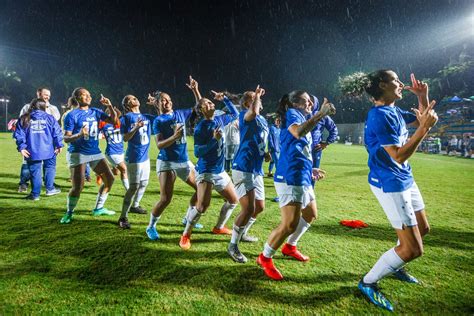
pixel 301 130
pixel 113 115
pixel 426 119
pixel 194 86
pixel 220 96
pixel 420 89
pixel 254 108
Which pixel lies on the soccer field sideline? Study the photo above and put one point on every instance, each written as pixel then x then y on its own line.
pixel 93 267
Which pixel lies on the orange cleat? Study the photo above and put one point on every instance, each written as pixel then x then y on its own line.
pixel 291 251
pixel 269 268
pixel 222 231
pixel 185 242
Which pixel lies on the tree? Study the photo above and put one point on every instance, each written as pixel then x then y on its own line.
pixel 8 79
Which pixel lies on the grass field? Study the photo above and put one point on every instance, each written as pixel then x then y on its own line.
pixel 91 266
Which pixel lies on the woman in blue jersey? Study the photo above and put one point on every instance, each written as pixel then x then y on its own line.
pixel 209 149
pixel 274 145
pixel 39 139
pixel 173 160
pixel 293 178
pixel 81 131
pixel 247 170
pixel 390 176
pixel 136 129
pixel 114 149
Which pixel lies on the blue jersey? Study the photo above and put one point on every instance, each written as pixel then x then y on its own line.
pixel 295 163
pixel 386 126
pixel 165 125
pixel 253 137
pixel 274 139
pixel 41 137
pixel 139 144
pixel 114 138
pixel 208 150
pixel 75 120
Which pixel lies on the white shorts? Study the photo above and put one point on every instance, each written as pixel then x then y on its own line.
pixel 294 194
pixel 220 180
pixel 138 171
pixel 181 169
pixel 246 181
pixel 115 159
pixel 400 207
pixel 76 159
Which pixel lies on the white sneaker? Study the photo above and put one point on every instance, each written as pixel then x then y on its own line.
pixel 53 192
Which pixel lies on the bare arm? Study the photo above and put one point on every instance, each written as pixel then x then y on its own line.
pixel 254 108
pixel 301 130
pixel 194 86
pixel 163 143
pixel 129 135
pixel 69 137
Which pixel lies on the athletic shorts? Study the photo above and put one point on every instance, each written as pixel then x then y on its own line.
pixel 138 171
pixel 115 160
pixel 400 207
pixel 294 194
pixel 220 180
pixel 246 181
pixel 181 169
pixel 76 159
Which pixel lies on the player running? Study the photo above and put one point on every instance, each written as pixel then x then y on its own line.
pixel 81 131
pixel 293 178
pixel 209 149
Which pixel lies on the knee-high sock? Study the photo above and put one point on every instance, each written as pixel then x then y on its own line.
pixel 226 212
pixel 237 232
pixel 101 198
pixel 140 193
pixel 191 220
pixel 300 230
pixel 127 199
pixel 125 183
pixel 249 224
pixel 387 264
pixel 71 203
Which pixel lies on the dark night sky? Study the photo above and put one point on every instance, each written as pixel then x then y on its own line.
pixel 235 45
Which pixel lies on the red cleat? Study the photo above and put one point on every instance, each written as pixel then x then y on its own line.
pixel 291 251
pixel 222 231
pixel 185 242
pixel 269 268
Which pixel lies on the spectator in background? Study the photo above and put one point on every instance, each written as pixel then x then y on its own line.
pixel 44 94
pixel 39 139
pixel 274 145
pixel 452 144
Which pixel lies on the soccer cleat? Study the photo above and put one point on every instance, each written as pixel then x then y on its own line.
pixel 137 210
pixel 248 238
pixel 373 294
pixel 152 233
pixel 185 242
pixel 235 254
pixel 197 225
pixel 222 231
pixel 269 268
pixel 31 197
pixel 22 188
pixel 102 211
pixel 123 223
pixel 402 275
pixel 66 219
pixel 292 251
pixel 53 192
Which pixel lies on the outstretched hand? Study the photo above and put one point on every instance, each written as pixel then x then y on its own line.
pixel 428 117
pixel 193 84
pixel 419 88
pixel 219 96
pixel 327 108
pixel 105 101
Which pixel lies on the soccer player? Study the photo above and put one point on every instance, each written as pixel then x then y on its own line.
pixel 274 145
pixel 114 150
pixel 390 176
pixel 81 131
pixel 247 170
pixel 209 149
pixel 293 178
pixel 136 129
pixel 39 139
pixel 317 134
pixel 173 160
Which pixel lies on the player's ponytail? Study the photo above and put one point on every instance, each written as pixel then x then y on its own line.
pixel 196 115
pixel 73 101
pixel 35 104
pixel 354 85
pixel 286 102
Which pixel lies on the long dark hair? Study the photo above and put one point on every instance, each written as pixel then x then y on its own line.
pixel 286 102
pixel 356 84
pixel 35 104
pixel 73 101
pixel 126 107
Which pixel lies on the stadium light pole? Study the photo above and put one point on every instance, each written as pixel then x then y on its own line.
pixel 5 100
